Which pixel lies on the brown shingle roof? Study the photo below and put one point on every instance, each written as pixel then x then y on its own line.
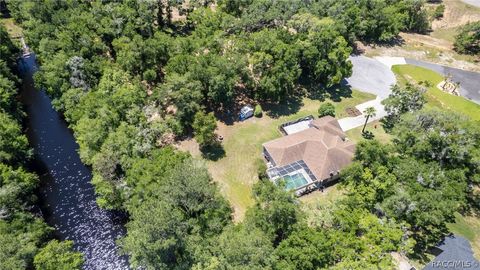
pixel 322 147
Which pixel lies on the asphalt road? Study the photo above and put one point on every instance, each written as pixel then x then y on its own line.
pixel 473 2
pixel 469 81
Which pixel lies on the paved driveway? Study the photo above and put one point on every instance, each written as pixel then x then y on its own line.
pixel 372 76
pixel 469 81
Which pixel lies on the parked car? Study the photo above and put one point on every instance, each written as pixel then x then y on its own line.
pixel 246 112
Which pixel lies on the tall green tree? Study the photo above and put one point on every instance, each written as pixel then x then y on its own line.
pixel 58 256
pixel 238 248
pixel 402 100
pixel 467 40
pixel 368 112
pixel 276 211
pixel 184 211
pixel 204 126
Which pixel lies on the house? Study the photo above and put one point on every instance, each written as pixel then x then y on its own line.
pixel 313 156
pixel 454 252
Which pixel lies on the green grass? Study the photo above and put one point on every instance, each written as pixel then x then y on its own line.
pixel 318 205
pixel 435 96
pixel 447 34
pixel 468 227
pixel 375 127
pixel 236 171
pixel 13 30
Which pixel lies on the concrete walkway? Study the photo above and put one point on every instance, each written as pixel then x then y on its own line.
pixel 371 76
pixel 348 123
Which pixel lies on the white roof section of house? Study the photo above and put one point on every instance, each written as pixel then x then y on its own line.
pixel 297 127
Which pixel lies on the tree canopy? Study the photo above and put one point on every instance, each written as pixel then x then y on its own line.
pixel 130 77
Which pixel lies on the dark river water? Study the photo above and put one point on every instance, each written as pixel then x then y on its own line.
pixel 66 195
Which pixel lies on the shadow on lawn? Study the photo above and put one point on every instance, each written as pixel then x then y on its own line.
pixel 213 152
pixel 289 106
pixel 335 93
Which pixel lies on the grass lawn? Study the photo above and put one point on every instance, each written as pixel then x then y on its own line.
pixel 375 127
pixel 468 227
pixel 317 204
pixel 14 30
pixel 236 171
pixel 316 198
pixel 435 96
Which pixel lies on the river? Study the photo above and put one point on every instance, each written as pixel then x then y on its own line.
pixel 66 195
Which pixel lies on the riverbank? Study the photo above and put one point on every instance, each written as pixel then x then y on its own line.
pixel 67 196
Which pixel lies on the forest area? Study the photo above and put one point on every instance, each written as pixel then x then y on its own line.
pixel 25 239
pixel 131 77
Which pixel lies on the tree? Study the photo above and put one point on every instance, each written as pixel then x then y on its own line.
pixel 185 94
pixel 426 198
pixel 145 174
pixel 238 248
pixel 434 135
pixel 204 126
pixel 402 100
pixel 21 235
pixel 368 112
pixel 58 256
pixel 13 144
pixel 274 64
pixel 16 190
pixel 417 17
pixel 306 248
pixel 156 236
pixel 183 211
pixel 323 51
pixel 468 39
pixel 367 186
pixel 275 212
pixel 258 111
pixel 325 109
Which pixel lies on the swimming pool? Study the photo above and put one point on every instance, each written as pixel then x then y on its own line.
pixel 294 181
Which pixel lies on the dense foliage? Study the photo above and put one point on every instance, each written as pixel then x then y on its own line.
pixel 22 232
pixel 423 178
pixel 130 77
pixel 125 69
pixel 402 100
pixel 468 39
pixel 58 256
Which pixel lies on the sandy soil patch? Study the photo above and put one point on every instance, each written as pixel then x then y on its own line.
pixel 427 40
pixel 457 13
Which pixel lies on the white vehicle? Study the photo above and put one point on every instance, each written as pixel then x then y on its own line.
pixel 246 112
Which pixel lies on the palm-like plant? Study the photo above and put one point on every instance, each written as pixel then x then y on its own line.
pixel 368 112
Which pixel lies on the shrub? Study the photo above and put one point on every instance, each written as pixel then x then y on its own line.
pixel 149 75
pixel 204 126
pixel 438 12
pixel 468 40
pixel 258 111
pixel 325 109
pixel 261 168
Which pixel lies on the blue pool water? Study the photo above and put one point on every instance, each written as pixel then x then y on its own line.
pixel 294 181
